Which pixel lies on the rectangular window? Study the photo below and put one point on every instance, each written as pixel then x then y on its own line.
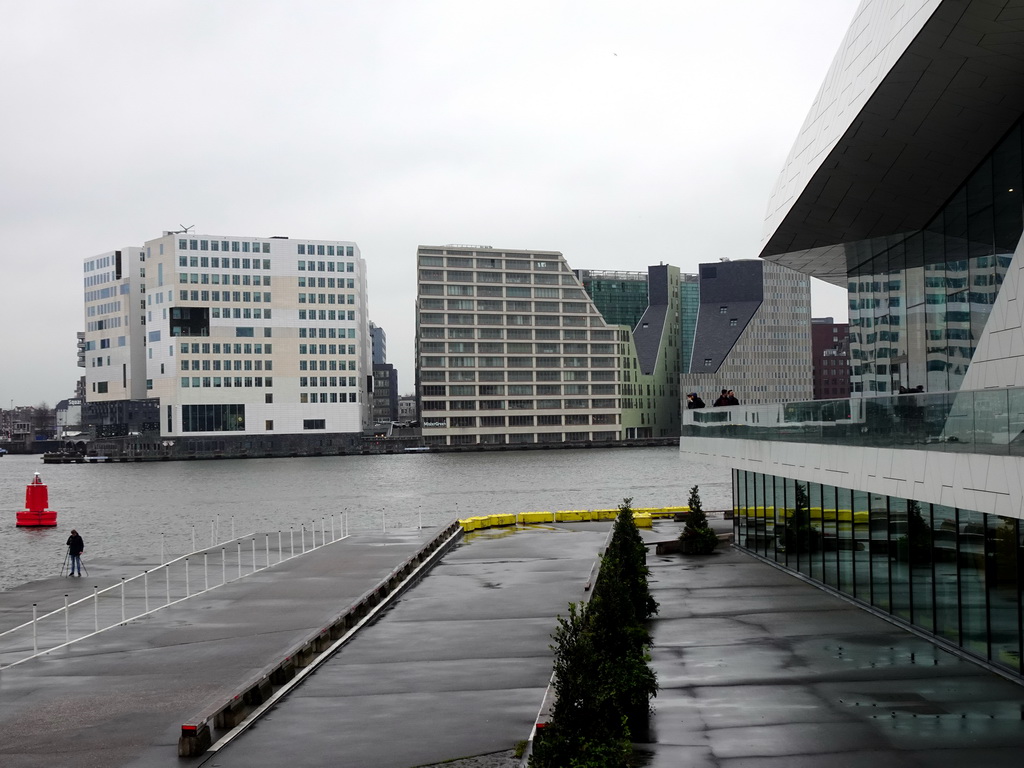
pixel 314 424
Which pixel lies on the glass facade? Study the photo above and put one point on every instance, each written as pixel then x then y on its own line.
pixel 955 574
pixel 620 297
pixel 689 300
pixel 919 300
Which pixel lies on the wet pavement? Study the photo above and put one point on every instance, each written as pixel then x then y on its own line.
pixel 119 698
pixel 456 668
pixel 758 668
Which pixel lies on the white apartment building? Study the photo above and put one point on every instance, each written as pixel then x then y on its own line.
pixel 114 293
pixel 512 350
pixel 249 336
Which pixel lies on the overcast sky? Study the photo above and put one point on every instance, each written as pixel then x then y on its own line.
pixel 622 134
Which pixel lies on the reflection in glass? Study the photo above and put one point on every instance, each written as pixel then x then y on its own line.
pixel 972 582
pixel 1001 556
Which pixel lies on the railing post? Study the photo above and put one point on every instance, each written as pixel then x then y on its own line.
pixel 268 549
pixel 96 608
pixel 167 577
pixel 291 538
pixel 332 526
pixel 35 630
pixel 254 554
pixel 238 546
pixel 383 522
pixel 303 538
pixel 67 628
pixel 323 532
pixel 206 571
pixel 187 593
pixel 280 547
pixel 212 540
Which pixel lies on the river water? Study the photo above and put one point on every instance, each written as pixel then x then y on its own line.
pixel 133 509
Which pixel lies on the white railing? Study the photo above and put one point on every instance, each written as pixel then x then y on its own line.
pixel 184 577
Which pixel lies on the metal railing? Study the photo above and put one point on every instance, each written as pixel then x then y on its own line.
pixel 989 421
pixel 187 576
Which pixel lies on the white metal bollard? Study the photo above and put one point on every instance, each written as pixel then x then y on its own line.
pixel 303 539
pixel 268 550
pixel 238 548
pixel 280 547
pixel 206 570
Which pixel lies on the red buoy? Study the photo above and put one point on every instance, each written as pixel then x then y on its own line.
pixel 35 513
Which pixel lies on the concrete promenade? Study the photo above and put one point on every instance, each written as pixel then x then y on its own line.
pixel 756 668
pixel 120 697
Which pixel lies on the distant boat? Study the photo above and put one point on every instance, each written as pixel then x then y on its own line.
pixel 418 449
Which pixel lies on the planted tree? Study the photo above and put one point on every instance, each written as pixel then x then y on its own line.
pixel 628 548
pixel 697 537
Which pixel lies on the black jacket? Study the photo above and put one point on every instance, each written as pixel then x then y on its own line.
pixel 76 545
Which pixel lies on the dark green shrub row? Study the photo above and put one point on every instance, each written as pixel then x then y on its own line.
pixel 603 683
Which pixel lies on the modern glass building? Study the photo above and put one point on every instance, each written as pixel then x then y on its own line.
pixel 621 297
pixel 905 185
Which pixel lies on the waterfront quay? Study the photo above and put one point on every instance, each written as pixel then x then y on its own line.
pixel 756 667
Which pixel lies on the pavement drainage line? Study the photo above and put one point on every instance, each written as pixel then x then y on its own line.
pixel 325 655
pixel 144 614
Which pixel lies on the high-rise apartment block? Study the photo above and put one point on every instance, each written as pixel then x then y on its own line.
pixel 233 338
pixel 830 351
pixel 512 350
pixel 752 334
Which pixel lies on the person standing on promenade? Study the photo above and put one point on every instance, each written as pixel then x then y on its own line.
pixel 76 546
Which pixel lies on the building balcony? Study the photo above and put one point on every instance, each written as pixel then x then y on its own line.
pixel 984 421
pixel 962 449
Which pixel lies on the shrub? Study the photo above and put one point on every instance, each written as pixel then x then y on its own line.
pixel 697 537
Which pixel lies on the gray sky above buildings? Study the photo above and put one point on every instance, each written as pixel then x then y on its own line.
pixel 620 133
